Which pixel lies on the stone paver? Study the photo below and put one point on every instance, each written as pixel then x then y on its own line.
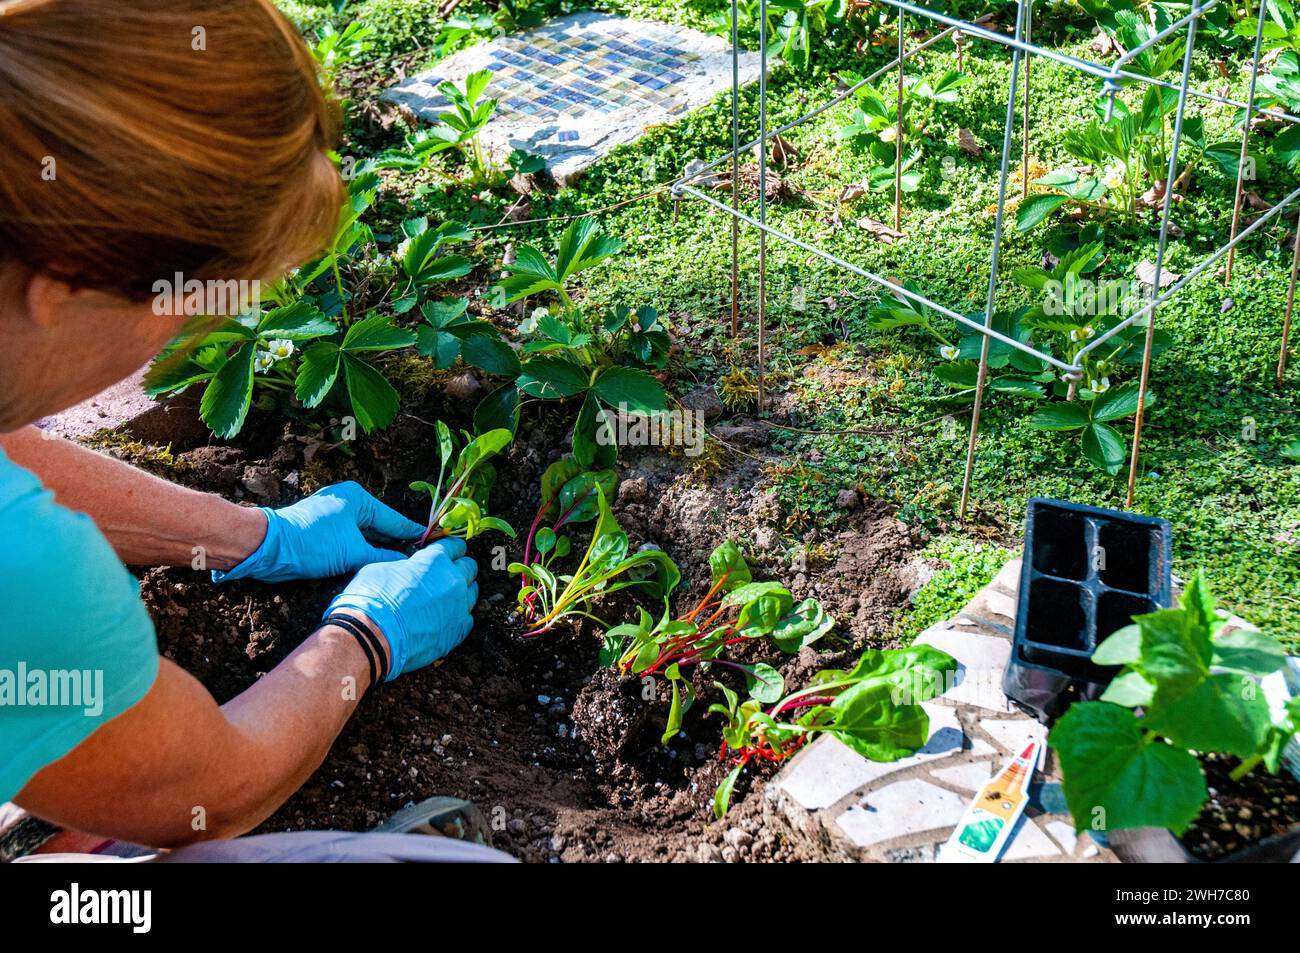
pixel 576 87
pixel 825 774
pixel 983 659
pixel 968 777
pixel 848 808
pixel 900 809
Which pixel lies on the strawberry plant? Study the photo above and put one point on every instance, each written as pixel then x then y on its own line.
pixel 462 125
pixel 302 346
pixel 568 355
pixel 1124 157
pixel 1187 684
pixel 606 567
pixel 873 708
pixel 333 48
pixel 734 610
pixel 460 508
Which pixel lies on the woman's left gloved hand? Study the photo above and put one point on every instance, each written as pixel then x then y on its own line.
pixel 324 535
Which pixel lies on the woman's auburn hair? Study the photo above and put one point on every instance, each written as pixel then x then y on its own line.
pixel 147 138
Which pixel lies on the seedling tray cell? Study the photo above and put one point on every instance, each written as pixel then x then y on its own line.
pixel 1087 571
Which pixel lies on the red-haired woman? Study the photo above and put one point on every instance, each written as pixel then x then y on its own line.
pixel 140 141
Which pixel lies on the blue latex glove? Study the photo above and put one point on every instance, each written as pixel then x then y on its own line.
pixel 421 605
pixel 323 536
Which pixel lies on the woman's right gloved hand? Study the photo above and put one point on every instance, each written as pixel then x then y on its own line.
pixel 421 605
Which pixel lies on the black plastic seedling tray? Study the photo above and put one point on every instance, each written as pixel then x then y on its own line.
pixel 1087 571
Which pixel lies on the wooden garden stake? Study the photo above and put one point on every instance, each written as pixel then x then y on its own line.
pixel 898 137
pixel 1290 303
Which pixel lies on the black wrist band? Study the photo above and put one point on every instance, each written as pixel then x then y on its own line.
pixel 363 632
pixel 344 623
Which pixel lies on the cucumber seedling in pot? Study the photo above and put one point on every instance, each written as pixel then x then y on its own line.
pixel 458 501
pixel 1189 685
pixel 873 708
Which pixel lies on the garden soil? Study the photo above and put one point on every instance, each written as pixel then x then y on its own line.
pixel 562 756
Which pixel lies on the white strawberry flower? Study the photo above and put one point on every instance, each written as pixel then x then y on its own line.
pixel 400 251
pixel 1100 386
pixel 263 362
pixel 280 348
pixel 949 352
pixel 1115 175
pixel 1082 334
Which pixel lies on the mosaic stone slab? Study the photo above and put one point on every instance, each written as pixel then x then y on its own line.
pixel 572 90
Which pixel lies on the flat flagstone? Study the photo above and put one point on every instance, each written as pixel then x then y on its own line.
pixel 983 659
pixel 576 87
pixel 1014 734
pixel 899 809
pixel 968 777
pixel 1063 832
pixel 832 770
pixel 1029 843
pixel 824 772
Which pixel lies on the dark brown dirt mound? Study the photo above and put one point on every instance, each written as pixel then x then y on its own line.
pixel 563 757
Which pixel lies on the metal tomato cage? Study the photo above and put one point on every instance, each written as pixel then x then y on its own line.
pixel 1111 76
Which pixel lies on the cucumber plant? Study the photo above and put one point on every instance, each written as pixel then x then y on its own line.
pixel 1186 684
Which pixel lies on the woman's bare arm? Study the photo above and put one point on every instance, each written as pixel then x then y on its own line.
pixel 149 521
pixel 177 768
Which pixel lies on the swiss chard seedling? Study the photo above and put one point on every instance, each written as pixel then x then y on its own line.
pixel 570 496
pixel 606 567
pixel 458 501
pixel 735 609
pixel 873 708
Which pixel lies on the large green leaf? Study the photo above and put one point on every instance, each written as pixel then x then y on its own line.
pixel 376 333
pixel 1103 447
pixel 802 626
pixel 869 722
pixel 1176 653
pixel 551 378
pixel 1225 713
pixel 491 354
pixel 300 321
pixel 631 389
pixel 1118 777
pixel 594 442
pixel 499 409
pixel 317 372
pixel 728 567
pixel 1247 653
pixel 1119 403
pixel 1033 210
pixel 228 395
pixel 1060 416
pixel 374 400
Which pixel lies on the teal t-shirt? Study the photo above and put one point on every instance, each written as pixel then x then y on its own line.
pixel 77 647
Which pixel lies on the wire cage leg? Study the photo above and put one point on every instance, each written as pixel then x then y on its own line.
pixel 998 222
pixel 1171 174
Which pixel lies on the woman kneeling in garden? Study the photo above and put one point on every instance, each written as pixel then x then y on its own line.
pixel 143 141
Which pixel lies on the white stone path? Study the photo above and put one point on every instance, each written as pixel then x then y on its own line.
pixel 850 808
